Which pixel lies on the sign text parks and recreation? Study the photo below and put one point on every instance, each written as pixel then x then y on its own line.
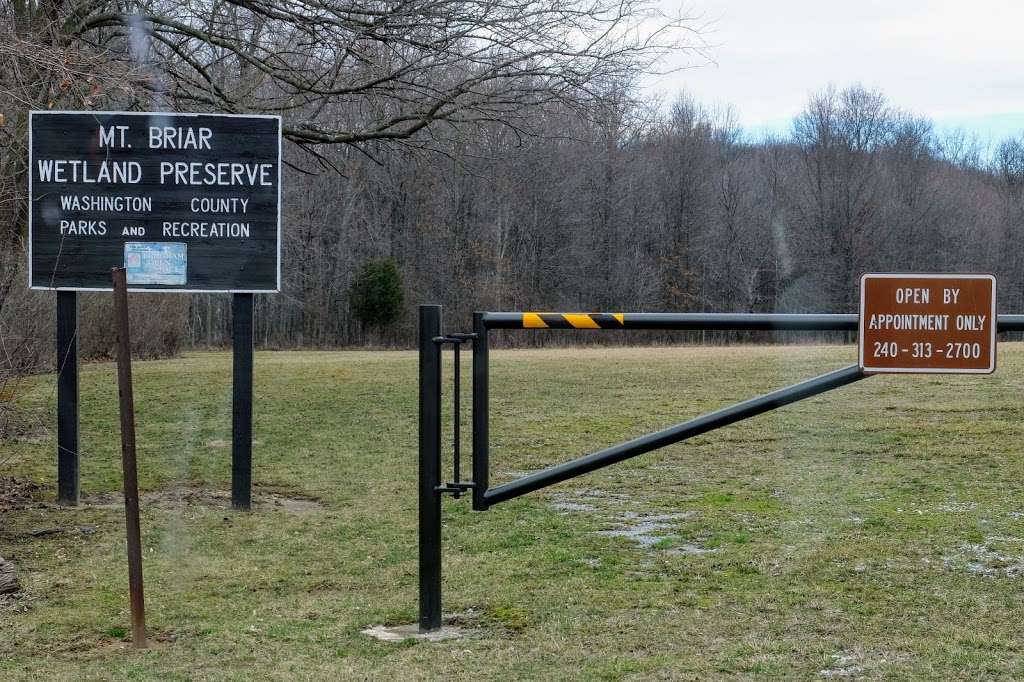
pixel 187 202
pixel 934 323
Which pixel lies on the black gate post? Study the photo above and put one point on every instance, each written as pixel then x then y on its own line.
pixel 430 468
pixel 241 402
pixel 481 417
pixel 67 398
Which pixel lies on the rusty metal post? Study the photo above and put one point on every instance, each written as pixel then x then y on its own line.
pixel 131 483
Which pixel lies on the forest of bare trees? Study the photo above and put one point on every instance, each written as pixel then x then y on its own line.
pixel 504 164
pixel 646 208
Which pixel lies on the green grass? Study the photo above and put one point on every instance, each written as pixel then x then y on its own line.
pixel 875 532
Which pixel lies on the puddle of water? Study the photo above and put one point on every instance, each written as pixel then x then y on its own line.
pixel 604 495
pixel 985 561
pixel 687 549
pixel 656 518
pixel 646 530
pixel 641 534
pixel 514 474
pixel 568 507
pixel 843 666
pixel 957 507
pixel 643 528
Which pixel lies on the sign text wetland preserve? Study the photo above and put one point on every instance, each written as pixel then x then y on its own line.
pixel 186 202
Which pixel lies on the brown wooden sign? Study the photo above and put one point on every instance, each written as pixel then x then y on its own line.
pixel 933 323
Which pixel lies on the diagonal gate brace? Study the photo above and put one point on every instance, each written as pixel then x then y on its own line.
pixel 673 434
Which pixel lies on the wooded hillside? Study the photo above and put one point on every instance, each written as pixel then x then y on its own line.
pixel 464 147
pixel 646 209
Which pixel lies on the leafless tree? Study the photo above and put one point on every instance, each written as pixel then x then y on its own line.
pixel 352 71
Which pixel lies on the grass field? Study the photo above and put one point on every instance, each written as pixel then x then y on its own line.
pixel 874 532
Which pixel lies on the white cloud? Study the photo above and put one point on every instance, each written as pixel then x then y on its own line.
pixel 939 58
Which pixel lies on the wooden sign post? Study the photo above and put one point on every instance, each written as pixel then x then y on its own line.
pixel 126 398
pixel 928 323
pixel 182 202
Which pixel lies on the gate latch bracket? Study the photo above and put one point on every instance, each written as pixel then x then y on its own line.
pixel 458 488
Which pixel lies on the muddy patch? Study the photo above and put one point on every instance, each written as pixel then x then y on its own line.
pixel 93 646
pixel 16 603
pixel 263 500
pixel 47 530
pixel 17 493
pixel 8 578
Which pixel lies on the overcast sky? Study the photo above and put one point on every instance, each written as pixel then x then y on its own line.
pixel 959 63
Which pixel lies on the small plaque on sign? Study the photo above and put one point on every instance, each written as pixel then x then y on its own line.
pixel 155 263
pixel 933 323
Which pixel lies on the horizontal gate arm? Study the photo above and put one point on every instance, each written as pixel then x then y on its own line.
pixel 674 434
pixel 1010 323
pixel 678 321
pixel 847 322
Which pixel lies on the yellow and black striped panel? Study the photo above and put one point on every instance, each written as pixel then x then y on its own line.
pixel 573 320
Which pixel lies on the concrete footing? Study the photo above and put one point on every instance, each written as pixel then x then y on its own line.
pixel 401 633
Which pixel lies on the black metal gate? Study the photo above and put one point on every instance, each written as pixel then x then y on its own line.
pixel 431 342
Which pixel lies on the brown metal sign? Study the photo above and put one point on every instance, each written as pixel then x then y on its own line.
pixel 933 323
